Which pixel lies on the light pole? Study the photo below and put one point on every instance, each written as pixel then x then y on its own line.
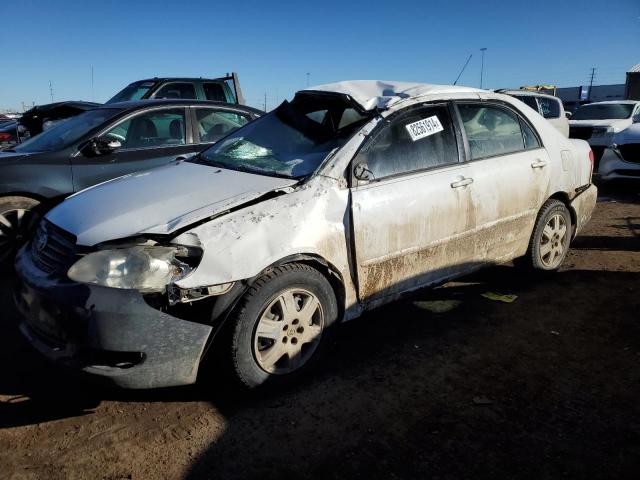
pixel 484 49
pixel 308 79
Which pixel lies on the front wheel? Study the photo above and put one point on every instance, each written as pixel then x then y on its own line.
pixel 18 219
pixel 551 236
pixel 282 326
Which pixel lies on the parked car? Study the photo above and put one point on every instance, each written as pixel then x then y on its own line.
pixel 622 159
pixel 224 89
pixel 39 118
pixel 11 133
pixel 99 145
pixel 339 201
pixel 598 122
pixel 548 106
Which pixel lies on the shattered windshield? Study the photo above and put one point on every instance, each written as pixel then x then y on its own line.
pixel 603 111
pixel 292 141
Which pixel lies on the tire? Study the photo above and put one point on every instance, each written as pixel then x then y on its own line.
pixel 18 219
pixel 551 237
pixel 273 347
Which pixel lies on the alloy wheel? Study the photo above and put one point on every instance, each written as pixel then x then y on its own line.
pixel 288 332
pixel 15 228
pixel 553 241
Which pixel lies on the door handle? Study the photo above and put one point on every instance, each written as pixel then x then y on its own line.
pixel 461 182
pixel 539 164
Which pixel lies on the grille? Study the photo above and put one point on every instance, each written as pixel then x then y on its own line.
pixel 583 133
pixel 630 152
pixel 52 248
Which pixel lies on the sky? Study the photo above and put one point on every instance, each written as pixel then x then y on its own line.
pixel 273 45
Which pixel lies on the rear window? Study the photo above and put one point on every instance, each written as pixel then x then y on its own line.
pixel 550 107
pixel 177 90
pixel 214 91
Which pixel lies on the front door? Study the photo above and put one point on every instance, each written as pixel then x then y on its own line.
pixel 149 139
pixel 411 221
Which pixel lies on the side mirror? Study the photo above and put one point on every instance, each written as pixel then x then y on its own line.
pixel 636 118
pixel 567 114
pixel 101 146
pixel 361 172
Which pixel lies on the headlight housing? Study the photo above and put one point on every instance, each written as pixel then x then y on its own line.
pixel 146 268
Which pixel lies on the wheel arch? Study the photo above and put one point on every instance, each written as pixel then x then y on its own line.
pixel 564 198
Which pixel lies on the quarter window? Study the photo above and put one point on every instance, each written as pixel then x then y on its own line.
pixel 177 90
pixel 214 124
pixel 156 128
pixel 492 130
pixel 420 139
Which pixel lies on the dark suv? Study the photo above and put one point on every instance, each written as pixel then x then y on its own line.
pixel 224 89
pixel 98 145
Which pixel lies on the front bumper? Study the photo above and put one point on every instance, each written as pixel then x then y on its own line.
pixel 107 332
pixel 612 167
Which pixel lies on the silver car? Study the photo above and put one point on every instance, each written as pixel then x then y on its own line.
pixel 337 202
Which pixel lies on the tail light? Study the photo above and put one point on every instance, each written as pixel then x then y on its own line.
pixel 592 160
pixel 5 137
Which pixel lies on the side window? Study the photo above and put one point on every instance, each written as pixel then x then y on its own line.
pixel 214 91
pixel 550 107
pixel 177 90
pixel 420 139
pixel 491 130
pixel 156 128
pixel 212 125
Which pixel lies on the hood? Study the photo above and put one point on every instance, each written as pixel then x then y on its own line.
pixel 618 124
pixel 158 201
pixel 630 134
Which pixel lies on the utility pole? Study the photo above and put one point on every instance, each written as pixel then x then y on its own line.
pixel 593 74
pixel 265 101
pixel 483 49
pixel 51 91
pixel 308 79
pixel 92 95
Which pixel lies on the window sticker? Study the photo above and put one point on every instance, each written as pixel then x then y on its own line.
pixel 423 128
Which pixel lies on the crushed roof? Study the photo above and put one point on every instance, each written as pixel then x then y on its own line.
pixel 371 94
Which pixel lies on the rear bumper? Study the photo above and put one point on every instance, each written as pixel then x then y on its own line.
pixel 583 206
pixel 107 332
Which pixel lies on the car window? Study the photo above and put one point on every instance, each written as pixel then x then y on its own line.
pixel 151 129
pixel 176 90
pixel 529 100
pixel 215 124
pixel 491 130
pixel 214 91
pixel 420 139
pixel 603 111
pixel 550 107
pixel 134 91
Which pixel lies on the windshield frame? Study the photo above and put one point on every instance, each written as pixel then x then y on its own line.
pixel 594 106
pixel 60 127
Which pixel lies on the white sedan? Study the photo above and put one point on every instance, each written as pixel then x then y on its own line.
pixel 337 202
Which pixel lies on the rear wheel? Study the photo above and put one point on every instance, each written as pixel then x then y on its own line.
pixel 18 219
pixel 551 236
pixel 282 326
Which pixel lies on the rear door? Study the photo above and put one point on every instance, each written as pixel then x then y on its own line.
pixel 511 173
pixel 149 139
pixel 411 220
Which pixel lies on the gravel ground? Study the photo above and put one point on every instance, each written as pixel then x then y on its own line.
pixel 545 387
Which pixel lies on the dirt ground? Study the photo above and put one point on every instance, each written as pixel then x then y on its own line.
pixel 546 387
